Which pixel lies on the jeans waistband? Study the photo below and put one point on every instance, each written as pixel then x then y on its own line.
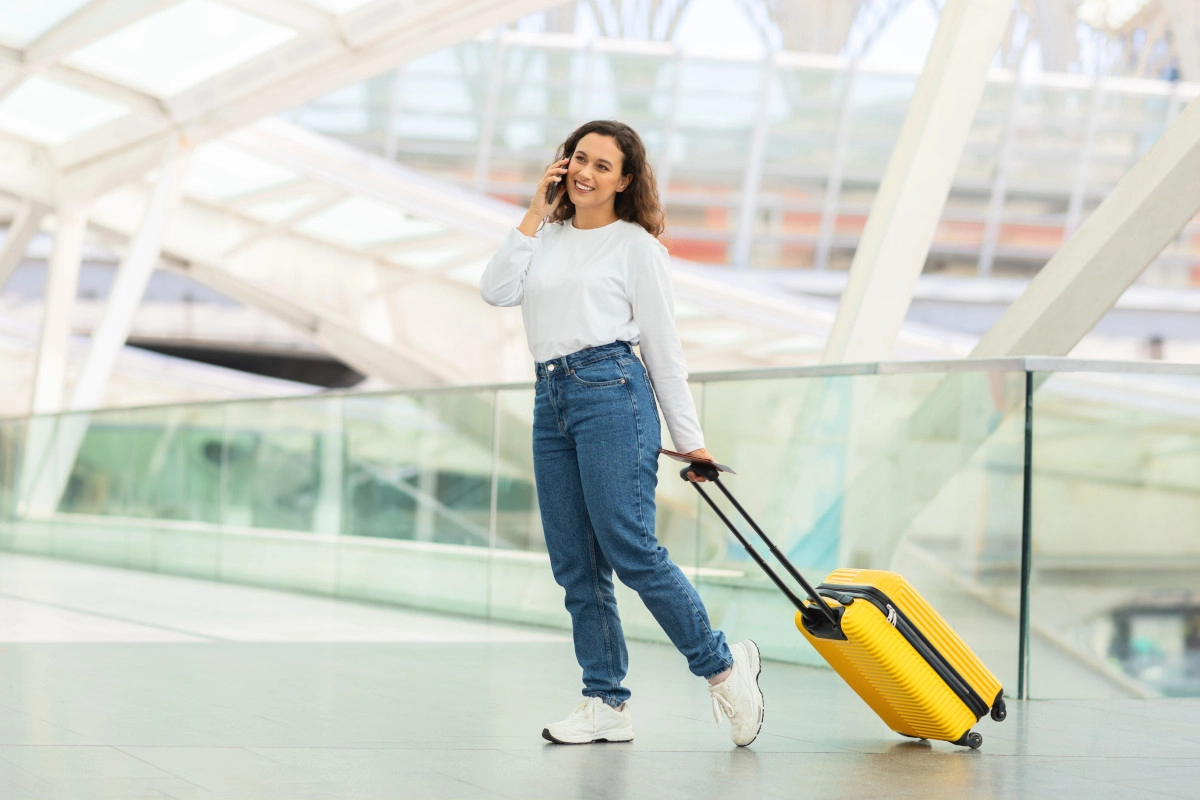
pixel 584 356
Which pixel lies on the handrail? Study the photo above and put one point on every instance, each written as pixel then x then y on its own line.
pixel 948 366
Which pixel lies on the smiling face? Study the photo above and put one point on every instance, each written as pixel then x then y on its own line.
pixel 594 174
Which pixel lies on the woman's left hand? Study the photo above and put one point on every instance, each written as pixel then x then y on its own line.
pixel 699 454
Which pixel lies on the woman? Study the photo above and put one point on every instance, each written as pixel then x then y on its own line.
pixel 591 277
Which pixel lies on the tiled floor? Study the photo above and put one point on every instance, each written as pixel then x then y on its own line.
pixel 118 684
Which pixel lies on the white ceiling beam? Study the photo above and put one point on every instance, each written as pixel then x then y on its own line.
pixel 26 171
pixel 338 337
pixel 135 100
pixel 62 281
pixel 414 243
pixel 311 21
pixel 130 283
pixel 91 23
pixel 271 194
pixel 323 198
pixel 303 69
pixel 20 233
pixel 353 170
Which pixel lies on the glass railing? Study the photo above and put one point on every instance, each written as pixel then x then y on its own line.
pixel 1050 509
pixel 1043 150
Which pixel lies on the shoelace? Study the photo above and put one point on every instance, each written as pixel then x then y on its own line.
pixel 587 710
pixel 721 705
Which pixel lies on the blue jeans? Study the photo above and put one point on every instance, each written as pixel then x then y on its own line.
pixel 595 458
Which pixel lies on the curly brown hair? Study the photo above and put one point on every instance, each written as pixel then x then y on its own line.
pixel 639 202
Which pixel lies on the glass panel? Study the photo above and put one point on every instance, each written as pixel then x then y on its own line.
pixel 181 46
pixel 340 6
pixel 173 457
pixel 361 223
pixel 518 521
pixel 21 22
pixel 419 468
pixel 1115 591
pixel 275 454
pixel 915 473
pixel 47 112
pixel 100 481
pixel 221 172
pixel 11 433
pixel 419 475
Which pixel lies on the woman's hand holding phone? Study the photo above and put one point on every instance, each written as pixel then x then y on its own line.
pixel 546 198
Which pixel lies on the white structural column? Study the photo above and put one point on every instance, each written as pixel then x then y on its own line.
pixel 837 168
pixel 1083 164
pixel 22 230
pixel 130 283
pixel 915 186
pixel 991 226
pixel 1145 211
pixel 42 497
pixel 743 241
pixel 62 281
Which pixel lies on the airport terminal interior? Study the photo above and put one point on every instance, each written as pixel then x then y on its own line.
pixel 268 518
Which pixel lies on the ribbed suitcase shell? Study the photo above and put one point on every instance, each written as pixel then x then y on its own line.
pixel 889 674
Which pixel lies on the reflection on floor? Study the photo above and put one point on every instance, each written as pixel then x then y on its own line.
pixel 118 684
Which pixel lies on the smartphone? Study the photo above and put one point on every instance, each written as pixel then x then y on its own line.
pixel 555 186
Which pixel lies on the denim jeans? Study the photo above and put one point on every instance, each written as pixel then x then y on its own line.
pixel 595 458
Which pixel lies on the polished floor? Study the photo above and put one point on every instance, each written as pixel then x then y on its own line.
pixel 118 684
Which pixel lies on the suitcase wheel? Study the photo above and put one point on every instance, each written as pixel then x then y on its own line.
pixel 999 713
pixel 969 739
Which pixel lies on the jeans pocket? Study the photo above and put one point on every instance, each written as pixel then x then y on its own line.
pixel 596 374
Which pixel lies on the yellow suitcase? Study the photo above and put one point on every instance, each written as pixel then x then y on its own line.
pixel 885 640
pixel 901 657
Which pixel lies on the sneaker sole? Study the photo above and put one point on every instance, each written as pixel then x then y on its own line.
pixel 618 737
pixel 762 705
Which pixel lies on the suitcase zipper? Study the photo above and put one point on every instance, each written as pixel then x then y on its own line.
pixel 901 623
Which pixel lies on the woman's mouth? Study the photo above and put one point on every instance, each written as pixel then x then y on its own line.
pixel 582 189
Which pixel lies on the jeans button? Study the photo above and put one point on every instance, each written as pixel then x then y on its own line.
pixel 550 367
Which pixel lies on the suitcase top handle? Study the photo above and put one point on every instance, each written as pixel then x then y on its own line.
pixel 711 473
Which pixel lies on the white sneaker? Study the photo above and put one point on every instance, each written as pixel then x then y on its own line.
pixel 738 696
pixel 593 720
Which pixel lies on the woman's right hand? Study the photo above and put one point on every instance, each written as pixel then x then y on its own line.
pixel 539 207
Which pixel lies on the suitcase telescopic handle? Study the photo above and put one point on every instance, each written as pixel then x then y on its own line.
pixel 712 474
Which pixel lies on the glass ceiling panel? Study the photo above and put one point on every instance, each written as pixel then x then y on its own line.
pixel 24 21
pixel 219 172
pixel 272 211
pixel 180 47
pixel 339 6
pixel 425 259
pixel 48 113
pixel 359 222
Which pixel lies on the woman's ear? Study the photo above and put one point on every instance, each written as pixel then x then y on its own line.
pixel 625 181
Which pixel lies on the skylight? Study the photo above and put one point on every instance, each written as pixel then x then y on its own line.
pixel 339 6
pixel 181 46
pixel 47 113
pixel 220 172
pixel 24 21
pixel 272 211
pixel 359 222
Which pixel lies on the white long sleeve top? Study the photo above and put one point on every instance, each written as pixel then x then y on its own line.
pixel 585 288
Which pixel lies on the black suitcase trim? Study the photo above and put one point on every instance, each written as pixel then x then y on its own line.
pixel 912 633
